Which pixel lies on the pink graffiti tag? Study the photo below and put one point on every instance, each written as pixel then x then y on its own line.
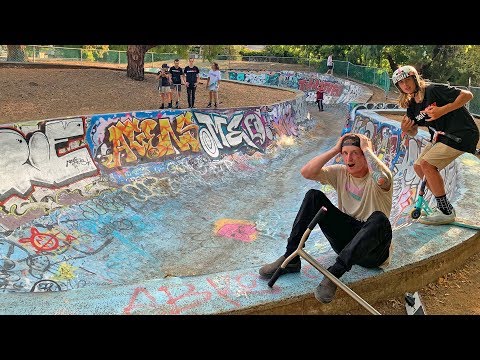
pixel 242 230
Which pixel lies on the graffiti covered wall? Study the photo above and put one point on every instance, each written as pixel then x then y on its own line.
pixel 128 139
pixel 72 197
pixel 336 90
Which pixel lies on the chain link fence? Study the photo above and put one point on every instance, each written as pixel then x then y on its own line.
pixel 51 54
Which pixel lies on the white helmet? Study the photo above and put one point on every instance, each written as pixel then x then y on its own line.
pixel 402 73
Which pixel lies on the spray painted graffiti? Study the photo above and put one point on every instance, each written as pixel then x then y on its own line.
pixel 53 155
pixel 44 241
pixel 336 90
pixel 399 151
pixel 179 299
pixel 127 140
pixel 242 230
pixel 247 129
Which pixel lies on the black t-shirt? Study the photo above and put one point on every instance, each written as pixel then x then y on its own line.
pixel 176 73
pixel 191 74
pixel 458 122
pixel 163 78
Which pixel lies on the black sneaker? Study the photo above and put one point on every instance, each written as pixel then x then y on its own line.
pixel 169 105
pixel 268 270
pixel 163 106
pixel 176 105
pixel 215 106
pixel 209 105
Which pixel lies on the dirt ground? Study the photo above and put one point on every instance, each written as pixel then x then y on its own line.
pixel 34 94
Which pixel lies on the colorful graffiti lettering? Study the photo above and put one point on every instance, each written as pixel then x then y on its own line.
pixel 52 155
pixel 131 138
pixel 241 129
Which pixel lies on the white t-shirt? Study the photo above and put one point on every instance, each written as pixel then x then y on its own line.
pixel 215 76
pixel 330 60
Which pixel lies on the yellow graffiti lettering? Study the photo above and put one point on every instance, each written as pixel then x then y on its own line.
pixel 140 135
pixel 185 126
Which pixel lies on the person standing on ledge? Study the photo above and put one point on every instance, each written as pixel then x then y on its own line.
pixel 191 77
pixel 213 82
pixel 330 64
pixel 441 108
pixel 358 230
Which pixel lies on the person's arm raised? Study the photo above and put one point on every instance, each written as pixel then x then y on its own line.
pixel 311 170
pixel 380 172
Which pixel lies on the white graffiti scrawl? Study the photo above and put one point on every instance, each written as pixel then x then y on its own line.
pixel 50 156
pixel 242 128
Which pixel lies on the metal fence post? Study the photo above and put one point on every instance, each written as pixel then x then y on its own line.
pixel 33 53
pixel 81 54
pixel 469 89
pixel 152 58
pixel 348 66
pixel 119 56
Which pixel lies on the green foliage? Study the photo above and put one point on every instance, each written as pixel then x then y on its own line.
pixel 249 52
pixel 94 52
pixel 210 52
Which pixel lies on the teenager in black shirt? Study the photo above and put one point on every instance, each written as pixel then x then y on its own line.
pixel 177 74
pixel 164 85
pixel 441 108
pixel 191 74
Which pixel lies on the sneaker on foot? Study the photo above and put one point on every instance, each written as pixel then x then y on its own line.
pixel 161 107
pixel 268 270
pixel 325 291
pixel 209 105
pixel 437 217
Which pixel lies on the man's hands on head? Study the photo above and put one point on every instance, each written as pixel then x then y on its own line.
pixel 338 145
pixel 365 142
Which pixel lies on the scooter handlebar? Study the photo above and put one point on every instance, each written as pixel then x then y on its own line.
pixel 316 219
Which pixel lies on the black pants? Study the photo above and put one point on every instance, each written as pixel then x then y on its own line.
pixel 320 104
pixel 364 243
pixel 191 96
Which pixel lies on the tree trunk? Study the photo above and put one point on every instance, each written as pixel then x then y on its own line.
pixel 16 53
pixel 135 57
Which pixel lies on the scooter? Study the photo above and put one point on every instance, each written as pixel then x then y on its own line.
pixel 302 253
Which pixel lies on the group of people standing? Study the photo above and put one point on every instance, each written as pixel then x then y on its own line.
pixel 171 80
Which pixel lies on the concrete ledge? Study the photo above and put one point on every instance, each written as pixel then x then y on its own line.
pixel 389 284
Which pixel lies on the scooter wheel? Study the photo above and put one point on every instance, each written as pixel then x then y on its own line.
pixel 415 213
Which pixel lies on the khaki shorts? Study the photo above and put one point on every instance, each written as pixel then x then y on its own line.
pixel 164 89
pixel 438 155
